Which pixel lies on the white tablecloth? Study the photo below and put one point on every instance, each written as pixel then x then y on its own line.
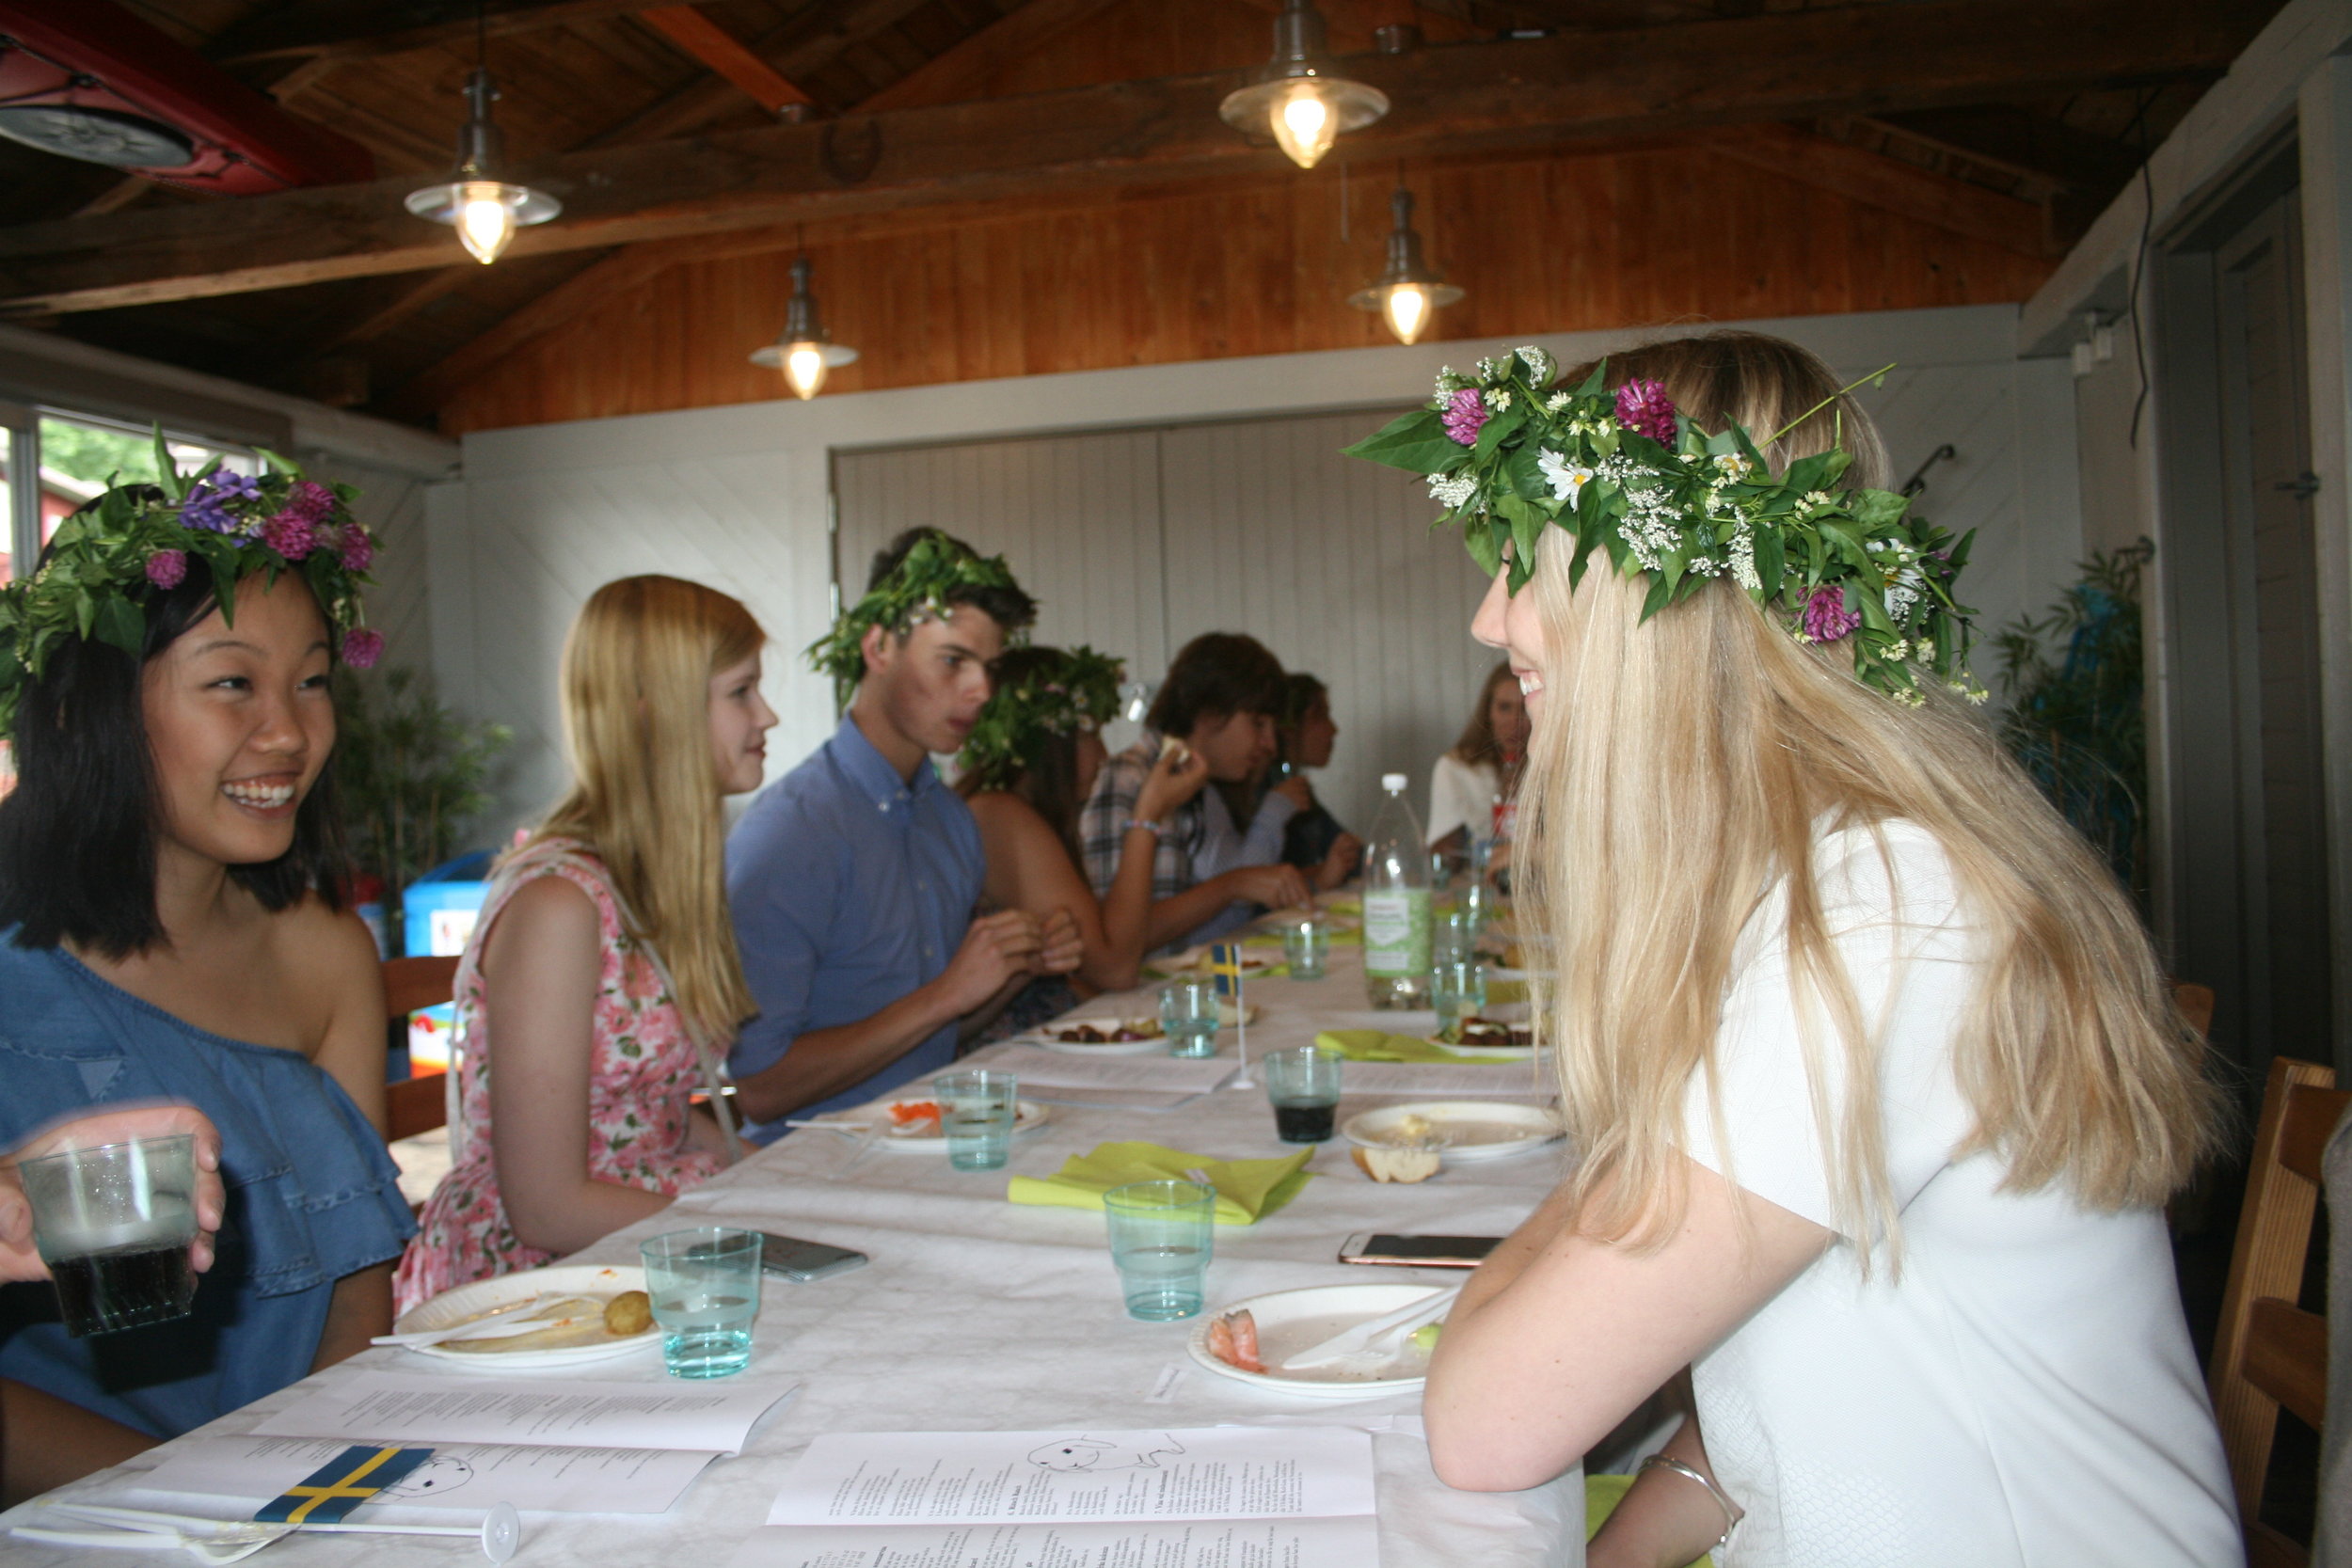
pixel 981 1314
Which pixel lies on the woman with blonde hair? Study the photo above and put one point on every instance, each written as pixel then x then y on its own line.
pixel 1876 1086
pixel 602 982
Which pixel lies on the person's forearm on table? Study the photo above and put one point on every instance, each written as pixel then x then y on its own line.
pixel 974 1024
pixel 823 1061
pixel 50 1441
pixel 1127 911
pixel 1665 1519
pixel 1179 913
pixel 562 1216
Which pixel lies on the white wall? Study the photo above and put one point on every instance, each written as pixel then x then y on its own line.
pixel 737 496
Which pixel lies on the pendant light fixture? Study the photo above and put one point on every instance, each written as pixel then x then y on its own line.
pixel 1408 292
pixel 1299 96
pixel 484 209
pixel 806 351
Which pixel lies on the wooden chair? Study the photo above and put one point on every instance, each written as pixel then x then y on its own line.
pixel 2267 1351
pixel 419 1104
pixel 2196 1003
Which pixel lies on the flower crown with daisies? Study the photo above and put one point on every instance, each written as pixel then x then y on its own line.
pixel 1507 453
pixel 920 588
pixel 1071 690
pixel 110 561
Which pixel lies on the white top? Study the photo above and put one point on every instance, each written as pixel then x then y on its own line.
pixel 2025 1393
pixel 1461 794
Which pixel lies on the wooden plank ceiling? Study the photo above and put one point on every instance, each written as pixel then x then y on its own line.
pixel 1012 186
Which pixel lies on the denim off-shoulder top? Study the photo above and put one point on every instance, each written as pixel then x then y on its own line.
pixel 312 1196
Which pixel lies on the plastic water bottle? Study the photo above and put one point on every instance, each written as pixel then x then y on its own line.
pixel 1397 904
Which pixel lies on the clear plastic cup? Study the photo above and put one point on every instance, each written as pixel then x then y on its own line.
pixel 1302 1084
pixel 1306 948
pixel 1457 989
pixel 1188 1015
pixel 1162 1235
pixel 976 1109
pixel 115 1224
pixel 705 1285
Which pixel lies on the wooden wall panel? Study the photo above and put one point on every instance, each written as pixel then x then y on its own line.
pixel 1551 244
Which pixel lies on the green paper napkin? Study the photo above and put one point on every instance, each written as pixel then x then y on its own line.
pixel 1499 992
pixel 1378 1045
pixel 1246 1190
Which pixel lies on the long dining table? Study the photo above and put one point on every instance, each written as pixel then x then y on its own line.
pixel 981 1314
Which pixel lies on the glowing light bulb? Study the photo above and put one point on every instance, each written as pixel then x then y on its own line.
pixel 485 221
pixel 805 368
pixel 1304 124
pixel 1407 309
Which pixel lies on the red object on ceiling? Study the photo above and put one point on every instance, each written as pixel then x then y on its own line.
pixel 92 75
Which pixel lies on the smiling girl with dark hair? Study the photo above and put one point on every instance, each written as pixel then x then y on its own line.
pixel 169 930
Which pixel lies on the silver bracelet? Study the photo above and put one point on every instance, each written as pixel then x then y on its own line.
pixel 1156 830
pixel 1732 1514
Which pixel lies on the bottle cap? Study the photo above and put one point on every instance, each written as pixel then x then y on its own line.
pixel 1393 783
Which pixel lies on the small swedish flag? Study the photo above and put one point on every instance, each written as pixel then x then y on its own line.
pixel 1224 966
pixel 351 1478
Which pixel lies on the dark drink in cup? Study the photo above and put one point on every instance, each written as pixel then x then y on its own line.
pixel 115 1224
pixel 124 1288
pixel 1303 1124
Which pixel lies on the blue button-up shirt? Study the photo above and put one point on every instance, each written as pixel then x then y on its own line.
pixel 851 887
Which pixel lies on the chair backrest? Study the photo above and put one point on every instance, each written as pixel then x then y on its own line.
pixel 2268 1351
pixel 2196 1003
pixel 419 1104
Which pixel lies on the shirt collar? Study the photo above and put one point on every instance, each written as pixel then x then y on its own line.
pixel 871 773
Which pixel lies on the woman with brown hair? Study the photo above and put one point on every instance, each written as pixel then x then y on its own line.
pixel 1875 1083
pixel 1472 786
pixel 605 957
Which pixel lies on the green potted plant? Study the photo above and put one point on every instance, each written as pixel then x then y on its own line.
pixel 412 775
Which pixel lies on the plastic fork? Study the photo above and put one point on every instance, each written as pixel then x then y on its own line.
pixel 499 1324
pixel 224 1541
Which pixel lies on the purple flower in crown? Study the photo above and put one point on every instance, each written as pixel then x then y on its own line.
pixel 290 534
pixel 1826 617
pixel 1642 407
pixel 207 506
pixel 362 647
pixel 1465 412
pixel 168 568
pixel 358 550
pixel 311 501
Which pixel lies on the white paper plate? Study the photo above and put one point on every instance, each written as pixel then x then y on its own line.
pixel 927 1138
pixel 569 1279
pixel 1293 1321
pixel 1049 1036
pixel 1469 1129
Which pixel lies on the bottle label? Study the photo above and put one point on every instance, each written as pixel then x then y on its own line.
pixel 1396 932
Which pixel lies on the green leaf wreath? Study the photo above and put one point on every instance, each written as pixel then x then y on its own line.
pixel 918 589
pixel 1077 689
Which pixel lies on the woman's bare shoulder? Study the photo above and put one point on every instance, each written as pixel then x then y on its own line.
pixel 1000 811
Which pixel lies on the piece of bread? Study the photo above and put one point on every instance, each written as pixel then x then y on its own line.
pixel 1398 1165
pixel 630 1312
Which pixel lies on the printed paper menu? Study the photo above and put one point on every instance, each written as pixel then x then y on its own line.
pixel 980 1478
pixel 465 1476
pixel 1189 1497
pixel 396 1407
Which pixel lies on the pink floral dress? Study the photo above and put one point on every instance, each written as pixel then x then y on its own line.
pixel 641 1076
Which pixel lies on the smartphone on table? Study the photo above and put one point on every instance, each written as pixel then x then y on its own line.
pixel 790 1258
pixel 1418 1252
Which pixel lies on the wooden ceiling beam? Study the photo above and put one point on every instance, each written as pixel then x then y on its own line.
pixel 338 29
pixel 723 52
pixel 1858 60
pixel 2031 144
pixel 797 50
pixel 957 73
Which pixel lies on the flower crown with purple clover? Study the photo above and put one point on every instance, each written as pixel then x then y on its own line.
pixel 110 558
pixel 1507 455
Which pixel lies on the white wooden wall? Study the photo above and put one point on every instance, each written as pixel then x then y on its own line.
pixel 1266 530
pixel 1138 541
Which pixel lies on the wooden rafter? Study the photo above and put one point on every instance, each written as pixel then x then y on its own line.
pixel 1893 185
pixel 1490 97
pixel 955 74
pixel 797 50
pixel 723 52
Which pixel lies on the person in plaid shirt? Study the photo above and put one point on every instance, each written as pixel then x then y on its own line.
pixel 1208 876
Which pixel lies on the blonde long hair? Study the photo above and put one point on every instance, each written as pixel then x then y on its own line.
pixel 636 669
pixel 1677 779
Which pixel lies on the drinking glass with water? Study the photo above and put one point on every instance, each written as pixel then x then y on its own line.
pixel 115 1225
pixel 1457 989
pixel 976 1109
pixel 1188 1015
pixel 1306 948
pixel 705 1285
pixel 1162 1235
